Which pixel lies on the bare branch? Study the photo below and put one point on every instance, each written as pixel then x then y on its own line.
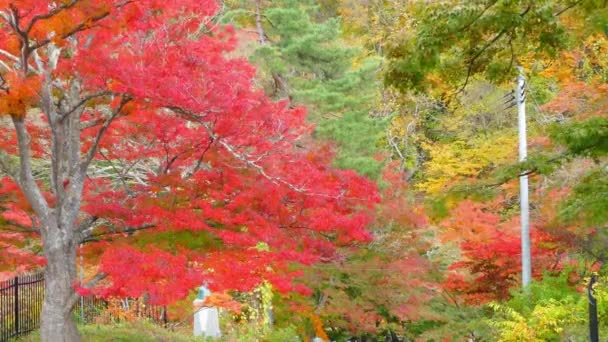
pixel 9 55
pixel 80 27
pixel 477 17
pixel 84 100
pixel 86 224
pixel 473 59
pixel 75 296
pixel 19 227
pixel 86 235
pixel 93 150
pixel 199 161
pixel 121 176
pixel 572 5
pixel 26 178
pixel 50 14
pixel 233 150
pixel 390 138
pixel 90 123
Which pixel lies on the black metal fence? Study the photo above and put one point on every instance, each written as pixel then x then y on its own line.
pixel 21 304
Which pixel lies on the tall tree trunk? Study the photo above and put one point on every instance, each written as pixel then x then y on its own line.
pixel 258 23
pixel 57 323
pixel 281 87
pixel 57 221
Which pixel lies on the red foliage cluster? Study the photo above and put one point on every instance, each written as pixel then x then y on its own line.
pixel 194 147
pixel 490 262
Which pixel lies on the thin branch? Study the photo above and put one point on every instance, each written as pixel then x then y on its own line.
pixel 2 80
pixel 477 17
pixel 93 150
pixel 50 14
pixel 244 158
pixel 75 296
pixel 476 56
pixel 512 61
pixel 199 161
pixel 263 16
pixel 80 27
pixel 90 123
pixel 121 176
pixel 233 150
pixel 87 237
pixel 574 4
pixel 26 179
pixel 25 50
pixel 85 100
pixel 489 44
pixel 172 160
pixel 9 55
pixel 86 224
pixel 393 144
pixel 20 228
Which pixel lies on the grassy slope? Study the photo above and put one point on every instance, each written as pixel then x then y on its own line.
pixel 126 332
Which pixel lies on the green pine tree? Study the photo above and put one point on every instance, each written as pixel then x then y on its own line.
pixel 301 56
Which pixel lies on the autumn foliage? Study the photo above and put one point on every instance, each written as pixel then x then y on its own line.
pixel 134 140
pixel 490 262
pixel 180 142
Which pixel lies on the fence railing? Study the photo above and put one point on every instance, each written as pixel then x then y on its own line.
pixel 21 305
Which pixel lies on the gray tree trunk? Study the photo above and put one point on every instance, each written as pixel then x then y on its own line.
pixel 57 319
pixel 61 224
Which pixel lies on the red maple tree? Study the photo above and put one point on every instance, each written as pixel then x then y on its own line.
pixel 489 265
pixel 128 120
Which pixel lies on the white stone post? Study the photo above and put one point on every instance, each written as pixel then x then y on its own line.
pixel 206 319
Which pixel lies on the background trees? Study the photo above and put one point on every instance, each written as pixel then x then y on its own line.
pixel 300 55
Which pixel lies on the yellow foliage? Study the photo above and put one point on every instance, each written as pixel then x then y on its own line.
pixel 514 328
pixel 117 312
pixel 398 126
pixel 587 61
pixel 544 323
pixel 456 161
pixel 375 22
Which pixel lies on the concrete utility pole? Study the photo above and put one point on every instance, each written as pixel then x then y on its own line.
pixel 526 263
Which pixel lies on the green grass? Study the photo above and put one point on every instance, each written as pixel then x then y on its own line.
pixel 143 331
pixel 125 332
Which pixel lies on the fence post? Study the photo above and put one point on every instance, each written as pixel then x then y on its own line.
pixel 16 306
